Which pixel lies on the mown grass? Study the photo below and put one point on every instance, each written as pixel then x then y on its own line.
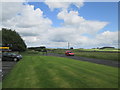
pixel 0 85
pixel 58 72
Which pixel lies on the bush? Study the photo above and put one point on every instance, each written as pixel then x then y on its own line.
pixel 13 40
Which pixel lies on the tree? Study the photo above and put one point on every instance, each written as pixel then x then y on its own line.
pixel 13 40
pixel 71 47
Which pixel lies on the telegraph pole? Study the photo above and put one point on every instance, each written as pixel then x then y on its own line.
pixel 68 45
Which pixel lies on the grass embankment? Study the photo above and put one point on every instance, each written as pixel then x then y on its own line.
pixel 99 55
pixel 92 54
pixel 57 72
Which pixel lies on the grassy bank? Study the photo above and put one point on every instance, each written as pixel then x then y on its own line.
pixel 57 72
pixel 99 55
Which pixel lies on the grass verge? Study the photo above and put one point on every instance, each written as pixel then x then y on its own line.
pixel 58 72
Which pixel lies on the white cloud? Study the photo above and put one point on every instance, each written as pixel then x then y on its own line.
pixel 29 21
pixel 72 19
pixel 37 30
pixel 30 39
pixel 63 4
pixel 13 0
pixel 108 38
pixel 10 9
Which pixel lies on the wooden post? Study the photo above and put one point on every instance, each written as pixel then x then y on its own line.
pixel 68 45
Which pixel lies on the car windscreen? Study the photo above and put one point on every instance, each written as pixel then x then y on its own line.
pixel 12 53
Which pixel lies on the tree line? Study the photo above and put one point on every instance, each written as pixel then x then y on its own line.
pixel 13 40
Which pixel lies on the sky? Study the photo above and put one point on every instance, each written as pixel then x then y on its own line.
pixel 54 24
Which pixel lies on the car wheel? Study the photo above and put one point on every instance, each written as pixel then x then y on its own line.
pixel 15 59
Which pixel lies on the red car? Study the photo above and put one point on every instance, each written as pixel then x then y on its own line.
pixel 69 53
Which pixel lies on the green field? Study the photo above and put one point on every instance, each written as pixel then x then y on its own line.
pixel 99 55
pixel 57 72
pixel 107 49
pixel 0 85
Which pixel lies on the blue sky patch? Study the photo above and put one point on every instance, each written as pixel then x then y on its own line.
pixel 96 11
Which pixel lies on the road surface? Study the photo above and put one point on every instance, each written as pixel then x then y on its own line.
pixel 92 60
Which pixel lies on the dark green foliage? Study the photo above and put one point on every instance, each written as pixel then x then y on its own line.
pixel 13 40
pixel 71 47
pixel 35 48
pixel 40 49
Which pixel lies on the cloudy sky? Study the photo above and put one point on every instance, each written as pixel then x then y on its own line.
pixel 54 24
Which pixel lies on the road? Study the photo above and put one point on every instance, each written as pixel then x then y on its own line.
pixel 97 61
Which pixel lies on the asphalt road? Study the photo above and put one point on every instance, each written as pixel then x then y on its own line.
pixel 92 60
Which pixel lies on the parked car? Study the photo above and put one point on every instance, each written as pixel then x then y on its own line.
pixel 11 57
pixel 69 53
